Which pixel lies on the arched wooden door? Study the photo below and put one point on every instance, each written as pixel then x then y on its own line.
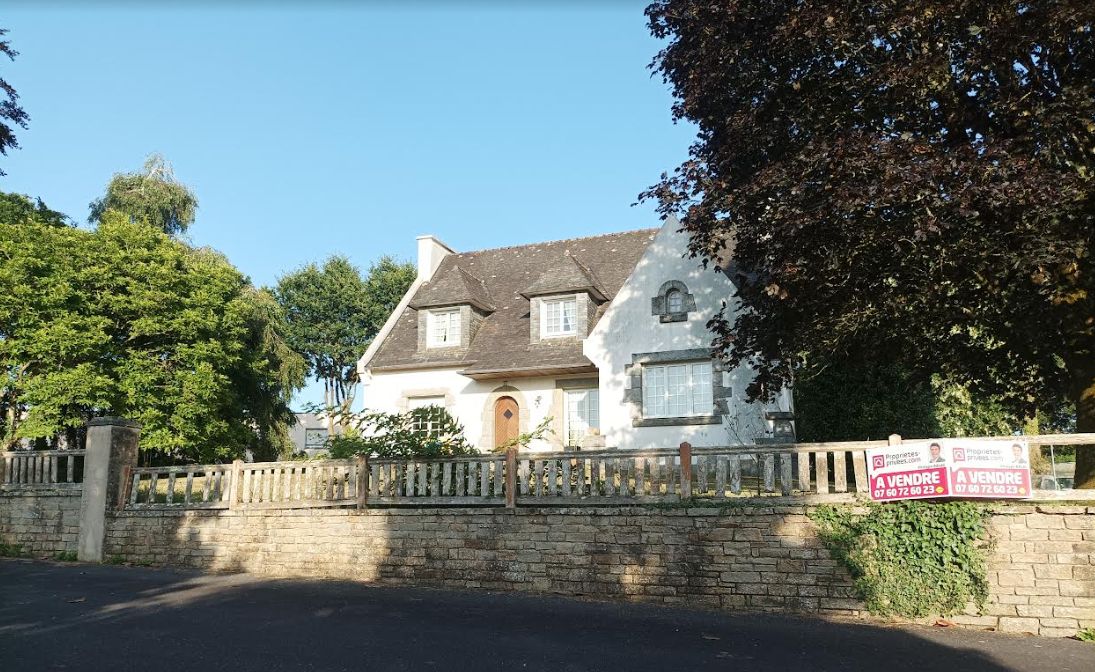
pixel 507 421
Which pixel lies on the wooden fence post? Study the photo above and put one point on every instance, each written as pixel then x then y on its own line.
pixel 511 478
pixel 686 470
pixel 234 484
pixel 362 481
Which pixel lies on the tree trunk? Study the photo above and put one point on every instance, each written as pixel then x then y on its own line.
pixel 327 407
pixel 1084 394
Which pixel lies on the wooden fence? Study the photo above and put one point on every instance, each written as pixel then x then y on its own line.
pixel 805 472
pixel 42 468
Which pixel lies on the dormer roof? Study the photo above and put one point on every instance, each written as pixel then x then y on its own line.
pixel 453 286
pixel 564 276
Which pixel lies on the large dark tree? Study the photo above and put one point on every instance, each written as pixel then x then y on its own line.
pixel 914 181
pixel 11 114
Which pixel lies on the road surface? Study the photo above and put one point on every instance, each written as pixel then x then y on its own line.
pixel 58 616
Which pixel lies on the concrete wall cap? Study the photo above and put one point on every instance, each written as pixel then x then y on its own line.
pixel 113 422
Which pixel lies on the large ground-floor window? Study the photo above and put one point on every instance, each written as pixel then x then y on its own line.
pixel 677 390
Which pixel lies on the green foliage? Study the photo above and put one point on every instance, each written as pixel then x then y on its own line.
pixel 537 433
pixel 1086 635
pixel 429 431
pixel 152 195
pixel 12 551
pixel 114 560
pixel 11 114
pixel 65 556
pixel 852 399
pixel 125 320
pixel 333 314
pixel 17 208
pixel 835 148
pixel 911 559
pixel 959 412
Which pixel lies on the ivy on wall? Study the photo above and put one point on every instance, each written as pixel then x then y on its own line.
pixel 911 559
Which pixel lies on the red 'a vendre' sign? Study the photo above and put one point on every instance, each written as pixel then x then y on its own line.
pixel 909 471
pixel 996 469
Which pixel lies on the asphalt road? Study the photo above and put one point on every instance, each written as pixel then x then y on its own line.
pixel 89 617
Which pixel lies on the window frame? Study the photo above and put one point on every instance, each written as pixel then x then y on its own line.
pixel 591 393
pixel 546 306
pixel 453 324
pixel 432 428
pixel 670 296
pixel 697 389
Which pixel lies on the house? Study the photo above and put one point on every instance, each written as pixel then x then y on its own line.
pixel 309 433
pixel 605 335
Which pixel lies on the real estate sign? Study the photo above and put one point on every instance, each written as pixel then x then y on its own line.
pixel 950 468
pixel 907 471
pixel 997 469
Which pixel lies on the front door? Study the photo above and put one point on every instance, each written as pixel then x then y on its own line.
pixel 507 421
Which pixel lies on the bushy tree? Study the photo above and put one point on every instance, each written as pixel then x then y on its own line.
pixel 913 180
pixel 17 208
pixel 125 320
pixel 333 314
pixel 429 431
pixel 152 195
pixel 855 399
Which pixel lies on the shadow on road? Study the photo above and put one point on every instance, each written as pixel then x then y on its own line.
pixel 89 617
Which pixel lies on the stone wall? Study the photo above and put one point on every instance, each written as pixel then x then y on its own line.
pixel 1042 571
pixel 1041 568
pixel 755 558
pixel 40 521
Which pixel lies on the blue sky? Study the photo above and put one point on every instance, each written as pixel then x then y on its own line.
pixel 349 129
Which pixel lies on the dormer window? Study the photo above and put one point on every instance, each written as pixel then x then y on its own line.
pixel 443 328
pixel 558 317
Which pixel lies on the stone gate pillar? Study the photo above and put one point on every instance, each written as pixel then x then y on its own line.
pixel 111 447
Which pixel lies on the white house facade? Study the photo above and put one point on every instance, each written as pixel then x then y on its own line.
pixel 605 335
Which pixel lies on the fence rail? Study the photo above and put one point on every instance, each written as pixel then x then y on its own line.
pixel 474 479
pixel 42 468
pixel 196 486
pixel 287 484
pixel 831 471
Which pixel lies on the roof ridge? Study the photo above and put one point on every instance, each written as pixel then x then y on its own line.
pixel 560 240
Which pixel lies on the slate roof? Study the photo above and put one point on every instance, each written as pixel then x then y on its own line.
pixel 505 278
pixel 452 287
pixel 566 275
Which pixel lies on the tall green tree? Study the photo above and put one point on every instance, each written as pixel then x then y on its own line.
pixel 11 113
pixel 334 313
pixel 151 195
pixel 909 180
pixel 125 320
pixel 17 208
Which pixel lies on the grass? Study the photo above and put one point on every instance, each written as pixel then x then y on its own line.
pixel 12 551
pixel 65 556
pixel 1086 635
pixel 160 496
